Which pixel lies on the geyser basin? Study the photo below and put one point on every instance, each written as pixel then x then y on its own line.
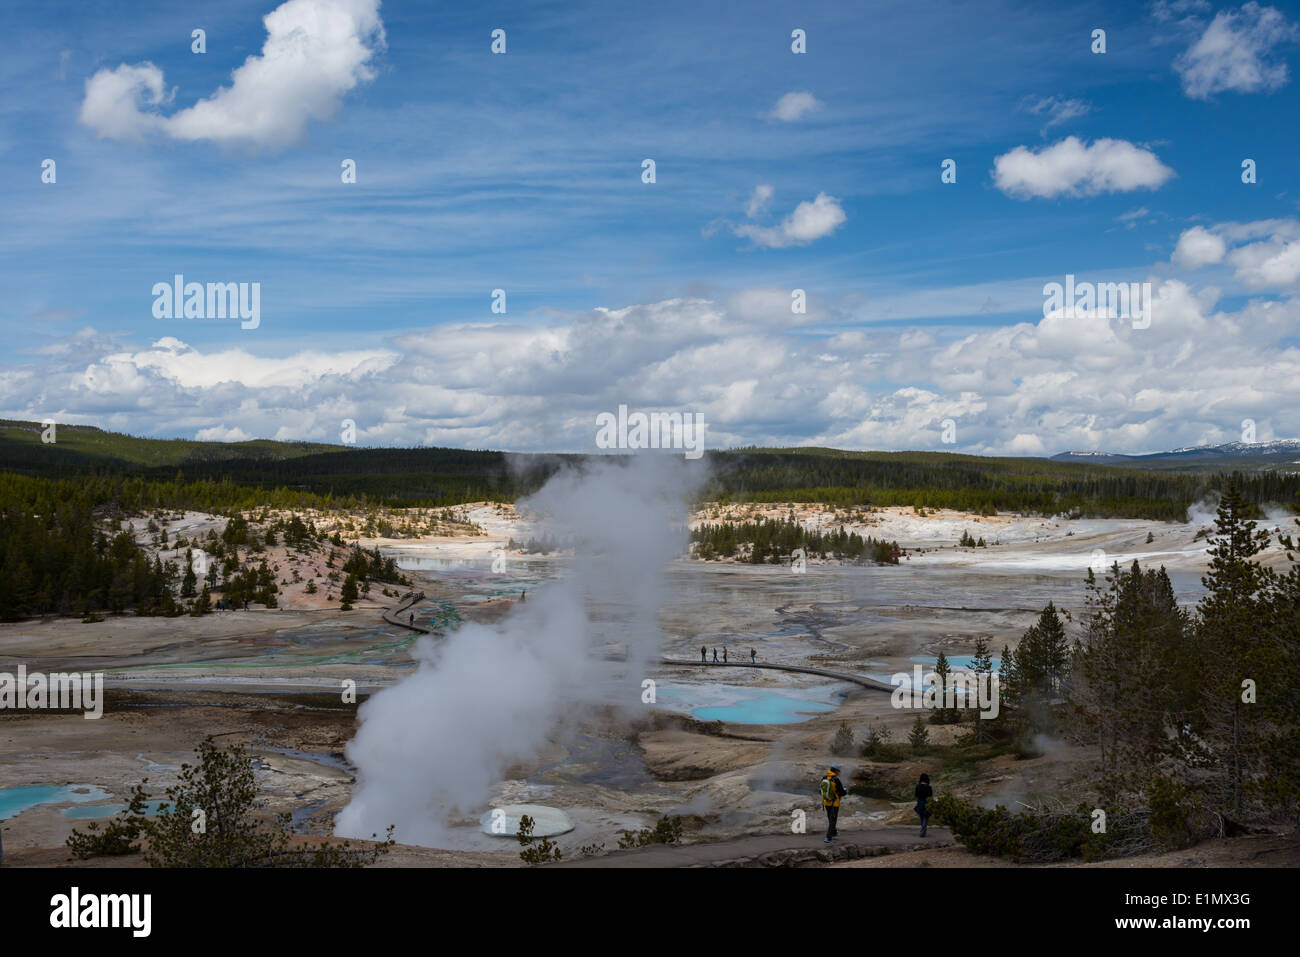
pixel 503 821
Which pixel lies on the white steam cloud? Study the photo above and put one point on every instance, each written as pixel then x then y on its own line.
pixel 1205 511
pixel 485 697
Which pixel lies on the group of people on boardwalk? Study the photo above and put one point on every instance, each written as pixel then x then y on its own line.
pixel 704 655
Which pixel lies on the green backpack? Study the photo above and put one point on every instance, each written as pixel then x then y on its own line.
pixel 828 790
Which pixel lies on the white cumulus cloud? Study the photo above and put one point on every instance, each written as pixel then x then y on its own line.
pixel 1074 168
pixel 1034 386
pixel 1237 53
pixel 1199 247
pixel 1264 254
pixel 315 52
pixel 810 221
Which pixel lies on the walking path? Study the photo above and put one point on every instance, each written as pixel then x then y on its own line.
pixel 837 675
pixel 773 850
pixel 399 616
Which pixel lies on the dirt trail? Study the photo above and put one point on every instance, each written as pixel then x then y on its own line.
pixel 773 850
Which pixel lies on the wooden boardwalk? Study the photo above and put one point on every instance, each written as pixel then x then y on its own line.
pixel 398 614
pixel 860 680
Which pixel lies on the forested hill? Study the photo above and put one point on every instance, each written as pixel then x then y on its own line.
pixel 981 484
pixel 131 471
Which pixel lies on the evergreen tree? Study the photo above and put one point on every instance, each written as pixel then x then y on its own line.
pixel 1133 680
pixel 1230 614
pixel 348 594
pixel 1280 703
pixel 919 736
pixel 981 665
pixel 942 674
pixel 190 582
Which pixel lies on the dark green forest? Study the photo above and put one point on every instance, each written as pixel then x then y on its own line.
pixel 214 475
pixel 772 540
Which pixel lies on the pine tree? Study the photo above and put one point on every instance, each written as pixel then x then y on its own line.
pixel 189 584
pixel 1229 618
pixel 942 673
pixel 348 594
pixel 1008 680
pixel 1280 788
pixel 1134 670
pixel 981 665
pixel 919 736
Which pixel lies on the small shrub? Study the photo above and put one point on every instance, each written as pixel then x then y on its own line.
pixel 919 736
pixel 537 850
pixel 842 744
pixel 667 830
pixel 875 739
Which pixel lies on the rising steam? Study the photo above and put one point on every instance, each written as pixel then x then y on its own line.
pixel 486 697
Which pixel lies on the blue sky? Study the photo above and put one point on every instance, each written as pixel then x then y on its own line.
pixel 774 171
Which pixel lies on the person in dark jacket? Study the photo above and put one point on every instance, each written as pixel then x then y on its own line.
pixel 703 655
pixel 832 791
pixel 923 793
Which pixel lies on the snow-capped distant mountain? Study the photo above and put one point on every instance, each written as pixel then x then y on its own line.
pixel 1093 457
pixel 1277 449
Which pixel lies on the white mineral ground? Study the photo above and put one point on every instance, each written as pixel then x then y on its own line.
pixel 242 675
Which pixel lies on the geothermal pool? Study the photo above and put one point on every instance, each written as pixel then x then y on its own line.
pixel 740 705
pixel 15 800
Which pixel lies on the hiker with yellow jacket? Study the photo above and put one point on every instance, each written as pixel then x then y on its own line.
pixel 832 791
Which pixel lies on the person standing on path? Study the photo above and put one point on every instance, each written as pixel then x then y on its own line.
pixel 724 654
pixel 752 656
pixel 923 793
pixel 715 656
pixel 832 792
pixel 703 656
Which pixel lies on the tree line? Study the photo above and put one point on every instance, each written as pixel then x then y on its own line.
pixel 771 540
